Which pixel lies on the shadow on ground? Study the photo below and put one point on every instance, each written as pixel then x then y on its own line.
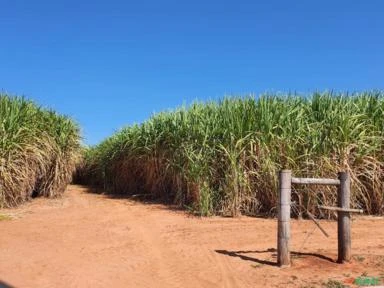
pixel 144 198
pixel 294 254
pixel 165 202
pixel 5 285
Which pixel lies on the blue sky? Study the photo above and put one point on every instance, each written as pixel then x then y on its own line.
pixel 113 63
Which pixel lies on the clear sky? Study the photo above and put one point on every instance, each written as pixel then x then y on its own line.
pixel 113 63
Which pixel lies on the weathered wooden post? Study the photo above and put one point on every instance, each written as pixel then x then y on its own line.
pixel 284 217
pixel 343 218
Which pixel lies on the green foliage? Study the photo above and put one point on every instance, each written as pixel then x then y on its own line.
pixel 223 157
pixel 367 281
pixel 38 151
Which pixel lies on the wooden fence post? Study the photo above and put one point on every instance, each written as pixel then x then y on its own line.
pixel 343 219
pixel 284 217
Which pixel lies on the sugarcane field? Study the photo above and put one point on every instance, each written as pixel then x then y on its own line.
pixel 191 144
pixel 191 197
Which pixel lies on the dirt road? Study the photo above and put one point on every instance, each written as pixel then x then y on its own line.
pixel 89 240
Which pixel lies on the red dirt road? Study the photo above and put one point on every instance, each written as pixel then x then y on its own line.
pixel 89 240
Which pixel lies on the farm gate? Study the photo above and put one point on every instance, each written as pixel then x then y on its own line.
pixel 343 213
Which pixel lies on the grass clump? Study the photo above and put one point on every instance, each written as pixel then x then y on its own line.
pixel 333 284
pixel 5 217
pixel 223 157
pixel 38 151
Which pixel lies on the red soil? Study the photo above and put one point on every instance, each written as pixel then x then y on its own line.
pixel 89 240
